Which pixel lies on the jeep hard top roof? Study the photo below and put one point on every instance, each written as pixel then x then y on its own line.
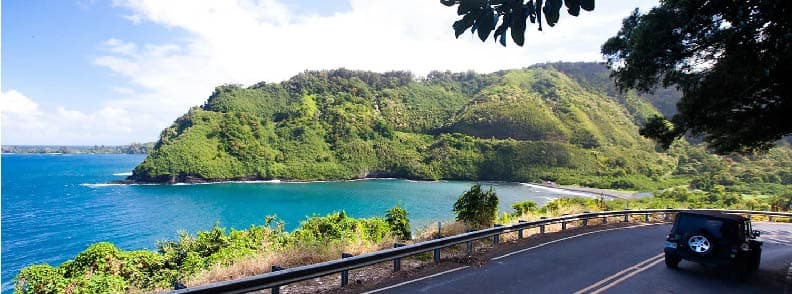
pixel 716 214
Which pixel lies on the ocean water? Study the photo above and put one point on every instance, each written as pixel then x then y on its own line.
pixel 54 206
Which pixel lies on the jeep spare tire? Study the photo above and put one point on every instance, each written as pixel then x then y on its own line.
pixel 700 244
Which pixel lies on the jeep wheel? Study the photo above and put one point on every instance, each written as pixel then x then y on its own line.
pixel 672 261
pixel 756 259
pixel 700 244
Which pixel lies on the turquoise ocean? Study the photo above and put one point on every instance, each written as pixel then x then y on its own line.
pixel 56 205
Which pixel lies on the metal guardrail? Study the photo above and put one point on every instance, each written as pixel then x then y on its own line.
pixel 292 275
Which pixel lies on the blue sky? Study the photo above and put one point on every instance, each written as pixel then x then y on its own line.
pixel 115 72
pixel 48 46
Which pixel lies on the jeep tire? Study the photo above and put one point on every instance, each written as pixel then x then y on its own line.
pixel 672 261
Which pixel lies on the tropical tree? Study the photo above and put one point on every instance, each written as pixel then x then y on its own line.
pixel 730 59
pixel 477 208
pixel 398 222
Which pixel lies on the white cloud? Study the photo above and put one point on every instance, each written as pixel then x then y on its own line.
pixel 123 90
pixel 120 47
pixel 14 103
pixel 247 41
pixel 25 122
pixel 134 18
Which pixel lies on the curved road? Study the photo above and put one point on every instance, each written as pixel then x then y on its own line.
pixel 626 260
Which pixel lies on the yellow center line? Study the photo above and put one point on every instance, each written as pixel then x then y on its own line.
pixel 622 279
pixel 653 260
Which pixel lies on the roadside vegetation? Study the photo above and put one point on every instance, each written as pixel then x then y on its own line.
pixel 214 255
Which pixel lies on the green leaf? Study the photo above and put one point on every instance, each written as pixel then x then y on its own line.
pixel 552 11
pixel 486 23
pixel 470 5
pixel 463 24
pixel 517 25
pixel 448 2
pixel 538 11
pixel 573 7
pixel 504 25
pixel 587 5
pixel 530 10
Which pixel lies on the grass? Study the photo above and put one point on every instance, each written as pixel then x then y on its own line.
pixel 287 258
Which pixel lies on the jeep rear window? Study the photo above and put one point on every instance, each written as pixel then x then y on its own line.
pixel 696 224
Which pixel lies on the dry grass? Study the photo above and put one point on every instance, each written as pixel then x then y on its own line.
pixel 291 257
pixel 447 229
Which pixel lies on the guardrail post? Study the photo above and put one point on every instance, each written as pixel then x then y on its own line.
pixel 646 218
pixel 665 215
pixel 345 274
pixel 770 218
pixel 436 252
pixel 542 227
pixel 496 238
pixel 563 222
pixel 520 231
pixel 276 289
pixel 469 243
pixel 397 261
pixel 626 216
pixel 585 219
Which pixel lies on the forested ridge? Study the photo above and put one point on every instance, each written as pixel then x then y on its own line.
pixel 564 122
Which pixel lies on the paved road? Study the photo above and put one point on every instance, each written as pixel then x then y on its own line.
pixel 618 261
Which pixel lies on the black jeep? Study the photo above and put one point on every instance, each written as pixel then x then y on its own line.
pixel 714 239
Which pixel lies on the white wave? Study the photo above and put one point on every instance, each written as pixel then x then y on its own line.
pixel 100 185
pixel 124 174
pixel 247 182
pixel 559 190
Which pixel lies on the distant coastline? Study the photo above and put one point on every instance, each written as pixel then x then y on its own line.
pixel 190 180
pixel 134 148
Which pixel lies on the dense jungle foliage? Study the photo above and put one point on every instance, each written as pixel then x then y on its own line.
pixel 517 125
pixel 564 122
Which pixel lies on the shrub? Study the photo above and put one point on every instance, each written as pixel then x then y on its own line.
pixel 40 278
pixel 477 208
pixel 398 223
pixel 523 207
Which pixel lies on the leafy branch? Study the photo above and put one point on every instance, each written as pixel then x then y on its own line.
pixel 483 16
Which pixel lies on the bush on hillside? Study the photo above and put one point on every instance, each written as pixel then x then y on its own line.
pixel 398 222
pixel 477 208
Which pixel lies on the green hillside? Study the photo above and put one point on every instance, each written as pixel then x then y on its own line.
pixel 533 124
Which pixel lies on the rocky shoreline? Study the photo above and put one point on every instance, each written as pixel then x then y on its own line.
pixel 135 179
